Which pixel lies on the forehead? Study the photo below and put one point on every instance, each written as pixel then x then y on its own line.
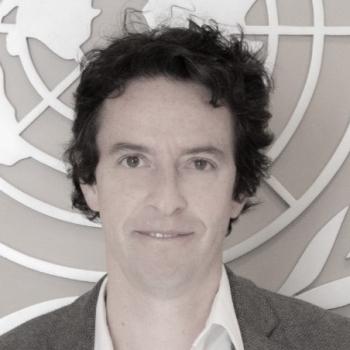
pixel 164 110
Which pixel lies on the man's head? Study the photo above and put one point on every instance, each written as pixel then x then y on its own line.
pixel 167 146
pixel 233 76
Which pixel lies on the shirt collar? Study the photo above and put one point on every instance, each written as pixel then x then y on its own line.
pixel 222 313
pixel 103 338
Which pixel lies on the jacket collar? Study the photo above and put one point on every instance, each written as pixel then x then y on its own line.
pixel 256 317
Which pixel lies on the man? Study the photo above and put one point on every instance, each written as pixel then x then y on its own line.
pixel 167 150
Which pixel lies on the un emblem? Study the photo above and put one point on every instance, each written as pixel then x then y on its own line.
pixel 63 28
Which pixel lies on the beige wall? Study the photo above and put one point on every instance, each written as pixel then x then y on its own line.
pixel 300 167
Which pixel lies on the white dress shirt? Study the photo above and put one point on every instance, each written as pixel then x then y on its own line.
pixel 220 332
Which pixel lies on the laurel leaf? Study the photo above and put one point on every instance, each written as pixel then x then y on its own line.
pixel 314 257
pixel 330 295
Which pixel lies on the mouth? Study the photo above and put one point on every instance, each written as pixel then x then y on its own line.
pixel 165 235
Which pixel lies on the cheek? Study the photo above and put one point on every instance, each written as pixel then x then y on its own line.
pixel 211 202
pixel 119 197
pixel 119 185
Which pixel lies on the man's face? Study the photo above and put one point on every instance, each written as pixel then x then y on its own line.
pixel 164 182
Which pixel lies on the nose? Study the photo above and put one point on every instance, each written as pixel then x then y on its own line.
pixel 166 194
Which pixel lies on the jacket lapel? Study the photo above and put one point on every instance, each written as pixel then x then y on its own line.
pixel 256 318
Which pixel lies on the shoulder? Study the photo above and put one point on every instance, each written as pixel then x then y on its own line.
pixel 305 323
pixel 296 322
pixel 59 329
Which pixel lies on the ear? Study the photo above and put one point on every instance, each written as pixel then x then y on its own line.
pixel 91 196
pixel 237 207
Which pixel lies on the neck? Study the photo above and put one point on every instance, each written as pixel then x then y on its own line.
pixel 139 318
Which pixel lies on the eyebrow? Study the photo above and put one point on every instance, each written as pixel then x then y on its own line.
pixel 124 146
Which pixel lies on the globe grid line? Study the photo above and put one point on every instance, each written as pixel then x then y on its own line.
pixel 43 104
pixel 282 30
pixel 39 84
pixel 273 38
pixel 49 268
pixel 280 190
pixel 304 101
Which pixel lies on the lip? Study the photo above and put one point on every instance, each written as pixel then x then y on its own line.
pixel 168 235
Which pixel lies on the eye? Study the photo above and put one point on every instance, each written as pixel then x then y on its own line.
pixel 133 161
pixel 203 164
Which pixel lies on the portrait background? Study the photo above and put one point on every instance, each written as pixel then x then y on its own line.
pixel 296 241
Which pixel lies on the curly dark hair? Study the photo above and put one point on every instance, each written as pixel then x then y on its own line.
pixel 225 65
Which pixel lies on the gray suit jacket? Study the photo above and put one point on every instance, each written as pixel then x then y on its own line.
pixel 267 321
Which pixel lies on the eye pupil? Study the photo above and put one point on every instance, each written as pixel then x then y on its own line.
pixel 200 164
pixel 133 161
